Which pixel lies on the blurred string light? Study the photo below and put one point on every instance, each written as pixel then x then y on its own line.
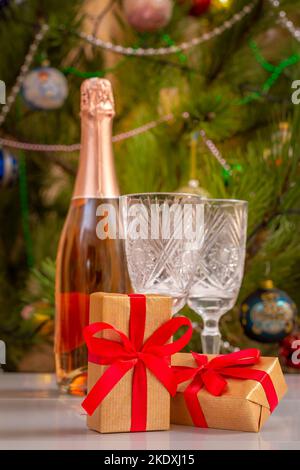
pixel 75 147
pixel 214 151
pixel 118 138
pixel 169 41
pixel 170 49
pixel 101 73
pixel 285 21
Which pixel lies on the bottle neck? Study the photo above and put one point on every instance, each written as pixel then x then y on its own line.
pixel 96 176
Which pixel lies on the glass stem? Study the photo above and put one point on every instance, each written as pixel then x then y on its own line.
pixel 210 336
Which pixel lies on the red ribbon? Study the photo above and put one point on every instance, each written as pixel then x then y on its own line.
pixel 133 352
pixel 210 374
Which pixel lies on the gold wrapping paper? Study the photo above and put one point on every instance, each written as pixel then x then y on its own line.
pixel 242 407
pixel 114 413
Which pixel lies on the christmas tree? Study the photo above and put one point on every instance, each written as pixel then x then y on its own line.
pixel 215 84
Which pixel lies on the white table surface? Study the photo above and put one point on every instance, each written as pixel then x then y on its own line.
pixel 34 416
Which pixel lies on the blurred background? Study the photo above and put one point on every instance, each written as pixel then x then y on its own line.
pixel 216 98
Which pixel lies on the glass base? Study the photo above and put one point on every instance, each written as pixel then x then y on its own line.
pixel 71 371
pixel 211 344
pixel 74 383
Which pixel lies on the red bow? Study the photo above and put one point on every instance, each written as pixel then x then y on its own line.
pixel 210 374
pixel 133 353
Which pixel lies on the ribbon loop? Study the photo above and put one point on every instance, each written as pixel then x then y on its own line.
pixel 156 343
pixel 107 350
pixel 246 357
pixel 214 382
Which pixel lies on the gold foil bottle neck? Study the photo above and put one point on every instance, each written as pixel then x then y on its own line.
pixel 97 97
pixel 96 177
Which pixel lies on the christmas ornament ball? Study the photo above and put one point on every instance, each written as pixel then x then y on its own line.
pixel 44 88
pixel 148 15
pixel 199 7
pixel 289 351
pixel 8 168
pixel 193 187
pixel 268 315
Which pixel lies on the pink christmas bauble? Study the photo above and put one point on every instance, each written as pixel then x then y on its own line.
pixel 148 15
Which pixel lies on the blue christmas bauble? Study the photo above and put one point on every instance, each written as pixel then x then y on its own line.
pixel 44 88
pixel 268 315
pixel 8 168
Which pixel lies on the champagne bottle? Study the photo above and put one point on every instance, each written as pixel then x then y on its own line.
pixel 86 263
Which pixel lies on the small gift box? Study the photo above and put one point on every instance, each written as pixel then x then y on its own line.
pixel 130 378
pixel 236 391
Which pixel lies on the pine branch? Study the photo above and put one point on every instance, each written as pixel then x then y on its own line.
pixel 61 163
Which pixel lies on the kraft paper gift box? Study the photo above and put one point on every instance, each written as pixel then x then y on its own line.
pixel 242 406
pixel 118 409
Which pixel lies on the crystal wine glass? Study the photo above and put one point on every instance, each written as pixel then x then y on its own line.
pixel 219 275
pixel 163 237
